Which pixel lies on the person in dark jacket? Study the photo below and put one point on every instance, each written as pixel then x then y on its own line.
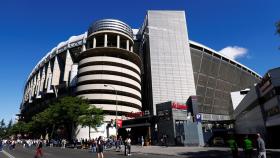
pixel 100 145
pixel 261 147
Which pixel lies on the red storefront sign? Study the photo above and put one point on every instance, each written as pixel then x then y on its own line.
pixel 135 114
pixel 119 123
pixel 175 105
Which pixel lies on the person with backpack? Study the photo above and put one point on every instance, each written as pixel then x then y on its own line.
pixel 100 147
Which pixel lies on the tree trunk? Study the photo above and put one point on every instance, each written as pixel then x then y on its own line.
pixel 53 130
pixel 89 132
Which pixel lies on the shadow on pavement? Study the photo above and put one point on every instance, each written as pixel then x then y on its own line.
pixel 207 154
pixel 226 154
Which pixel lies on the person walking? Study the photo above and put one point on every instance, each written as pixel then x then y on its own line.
pixel 248 147
pixel 233 146
pixel 261 147
pixel 128 146
pixel 39 151
pixel 93 146
pixel 100 145
pixel 1 145
pixel 142 141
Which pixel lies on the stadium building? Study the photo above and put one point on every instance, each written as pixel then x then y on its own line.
pixel 136 69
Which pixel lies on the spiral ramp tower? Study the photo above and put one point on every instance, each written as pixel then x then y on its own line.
pixel 109 70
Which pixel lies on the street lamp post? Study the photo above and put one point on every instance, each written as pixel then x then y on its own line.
pixel 105 85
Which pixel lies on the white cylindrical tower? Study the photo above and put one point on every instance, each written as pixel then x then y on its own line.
pixel 109 70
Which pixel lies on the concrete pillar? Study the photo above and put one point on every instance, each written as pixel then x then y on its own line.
pixel 43 78
pixel 30 96
pixel 131 48
pixel 105 40
pixel 49 79
pixel 67 66
pixel 56 72
pixel 33 85
pixel 84 47
pixel 49 71
pixel 118 41
pixel 38 94
pixel 127 45
pixel 73 77
pixel 94 42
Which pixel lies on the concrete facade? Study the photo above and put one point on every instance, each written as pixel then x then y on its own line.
pixel 259 111
pixel 141 68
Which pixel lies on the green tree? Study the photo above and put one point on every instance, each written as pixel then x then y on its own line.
pixel 10 124
pixel 92 118
pixel 278 28
pixel 67 113
pixel 2 128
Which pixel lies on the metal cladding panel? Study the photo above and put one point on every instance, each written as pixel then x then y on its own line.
pixel 215 79
pixel 171 65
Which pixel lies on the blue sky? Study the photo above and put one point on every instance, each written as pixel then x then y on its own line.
pixel 30 28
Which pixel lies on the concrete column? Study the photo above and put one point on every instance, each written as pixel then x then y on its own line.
pixel 105 40
pixel 118 41
pixel 43 78
pixel 49 81
pixel 56 72
pixel 94 42
pixel 131 48
pixel 30 96
pixel 73 77
pixel 34 85
pixel 67 67
pixel 127 45
pixel 84 47
pixel 48 73
pixel 38 94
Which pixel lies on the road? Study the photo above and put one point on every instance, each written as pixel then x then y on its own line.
pixel 55 152
pixel 20 152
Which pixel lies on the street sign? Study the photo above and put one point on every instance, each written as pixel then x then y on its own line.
pixel 198 117
pixel 119 123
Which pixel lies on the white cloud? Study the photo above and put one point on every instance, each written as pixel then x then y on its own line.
pixel 234 52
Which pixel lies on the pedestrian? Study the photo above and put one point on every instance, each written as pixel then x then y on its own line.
pixel 39 151
pixel 248 147
pixel 93 146
pixel 100 147
pixel 142 141
pixel 261 147
pixel 120 143
pixel 233 146
pixel 128 146
pixel 1 145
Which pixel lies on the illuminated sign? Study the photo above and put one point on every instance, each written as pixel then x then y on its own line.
pixel 135 114
pixel 175 105
pixel 119 123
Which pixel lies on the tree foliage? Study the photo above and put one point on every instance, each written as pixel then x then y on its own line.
pixel 64 115
pixel 278 28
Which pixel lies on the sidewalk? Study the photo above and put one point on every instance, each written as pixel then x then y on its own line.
pixel 183 151
pixel 196 152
